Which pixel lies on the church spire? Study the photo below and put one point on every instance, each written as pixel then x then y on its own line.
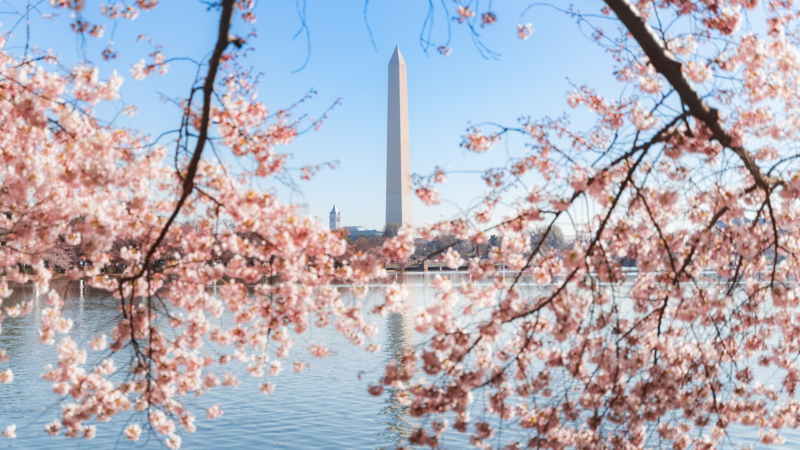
pixel 335 218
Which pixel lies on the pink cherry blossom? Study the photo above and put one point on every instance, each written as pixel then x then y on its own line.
pixel 641 119
pixel 99 343
pixel 53 427
pixel 524 31
pixel 453 259
pixel 10 431
pixel 697 72
pixel 267 388
pixel 428 196
pixel 214 412
pixel 464 13
pixel 133 432
pixel 318 350
pixel 477 142
pixel 173 442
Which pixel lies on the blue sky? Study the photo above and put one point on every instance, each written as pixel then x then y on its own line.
pixel 445 93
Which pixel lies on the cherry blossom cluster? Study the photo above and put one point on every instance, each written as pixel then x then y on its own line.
pixel 71 181
pixel 692 178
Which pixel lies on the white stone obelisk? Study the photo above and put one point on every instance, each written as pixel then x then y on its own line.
pixel 398 164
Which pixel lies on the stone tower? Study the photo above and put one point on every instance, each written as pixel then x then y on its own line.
pixel 336 218
pixel 398 164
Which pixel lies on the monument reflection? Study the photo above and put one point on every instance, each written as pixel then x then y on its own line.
pixel 400 336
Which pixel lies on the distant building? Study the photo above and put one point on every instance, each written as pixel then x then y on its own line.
pixel 739 223
pixel 357 232
pixel 353 232
pixel 336 219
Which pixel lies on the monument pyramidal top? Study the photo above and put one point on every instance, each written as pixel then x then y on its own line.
pixel 397 57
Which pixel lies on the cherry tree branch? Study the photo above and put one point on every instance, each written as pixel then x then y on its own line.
pixel 670 67
pixel 223 40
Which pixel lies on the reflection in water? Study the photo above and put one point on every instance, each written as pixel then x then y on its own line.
pixel 400 333
pixel 323 409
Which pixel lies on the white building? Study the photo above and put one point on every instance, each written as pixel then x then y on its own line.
pixel 336 218
pixel 357 232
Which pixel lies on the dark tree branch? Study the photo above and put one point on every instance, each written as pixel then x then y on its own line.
pixel 223 40
pixel 670 67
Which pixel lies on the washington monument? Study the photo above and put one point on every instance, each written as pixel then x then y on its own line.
pixel 398 165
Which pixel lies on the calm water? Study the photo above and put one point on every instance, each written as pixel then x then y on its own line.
pixel 326 407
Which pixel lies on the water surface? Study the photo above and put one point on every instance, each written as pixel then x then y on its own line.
pixel 326 407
